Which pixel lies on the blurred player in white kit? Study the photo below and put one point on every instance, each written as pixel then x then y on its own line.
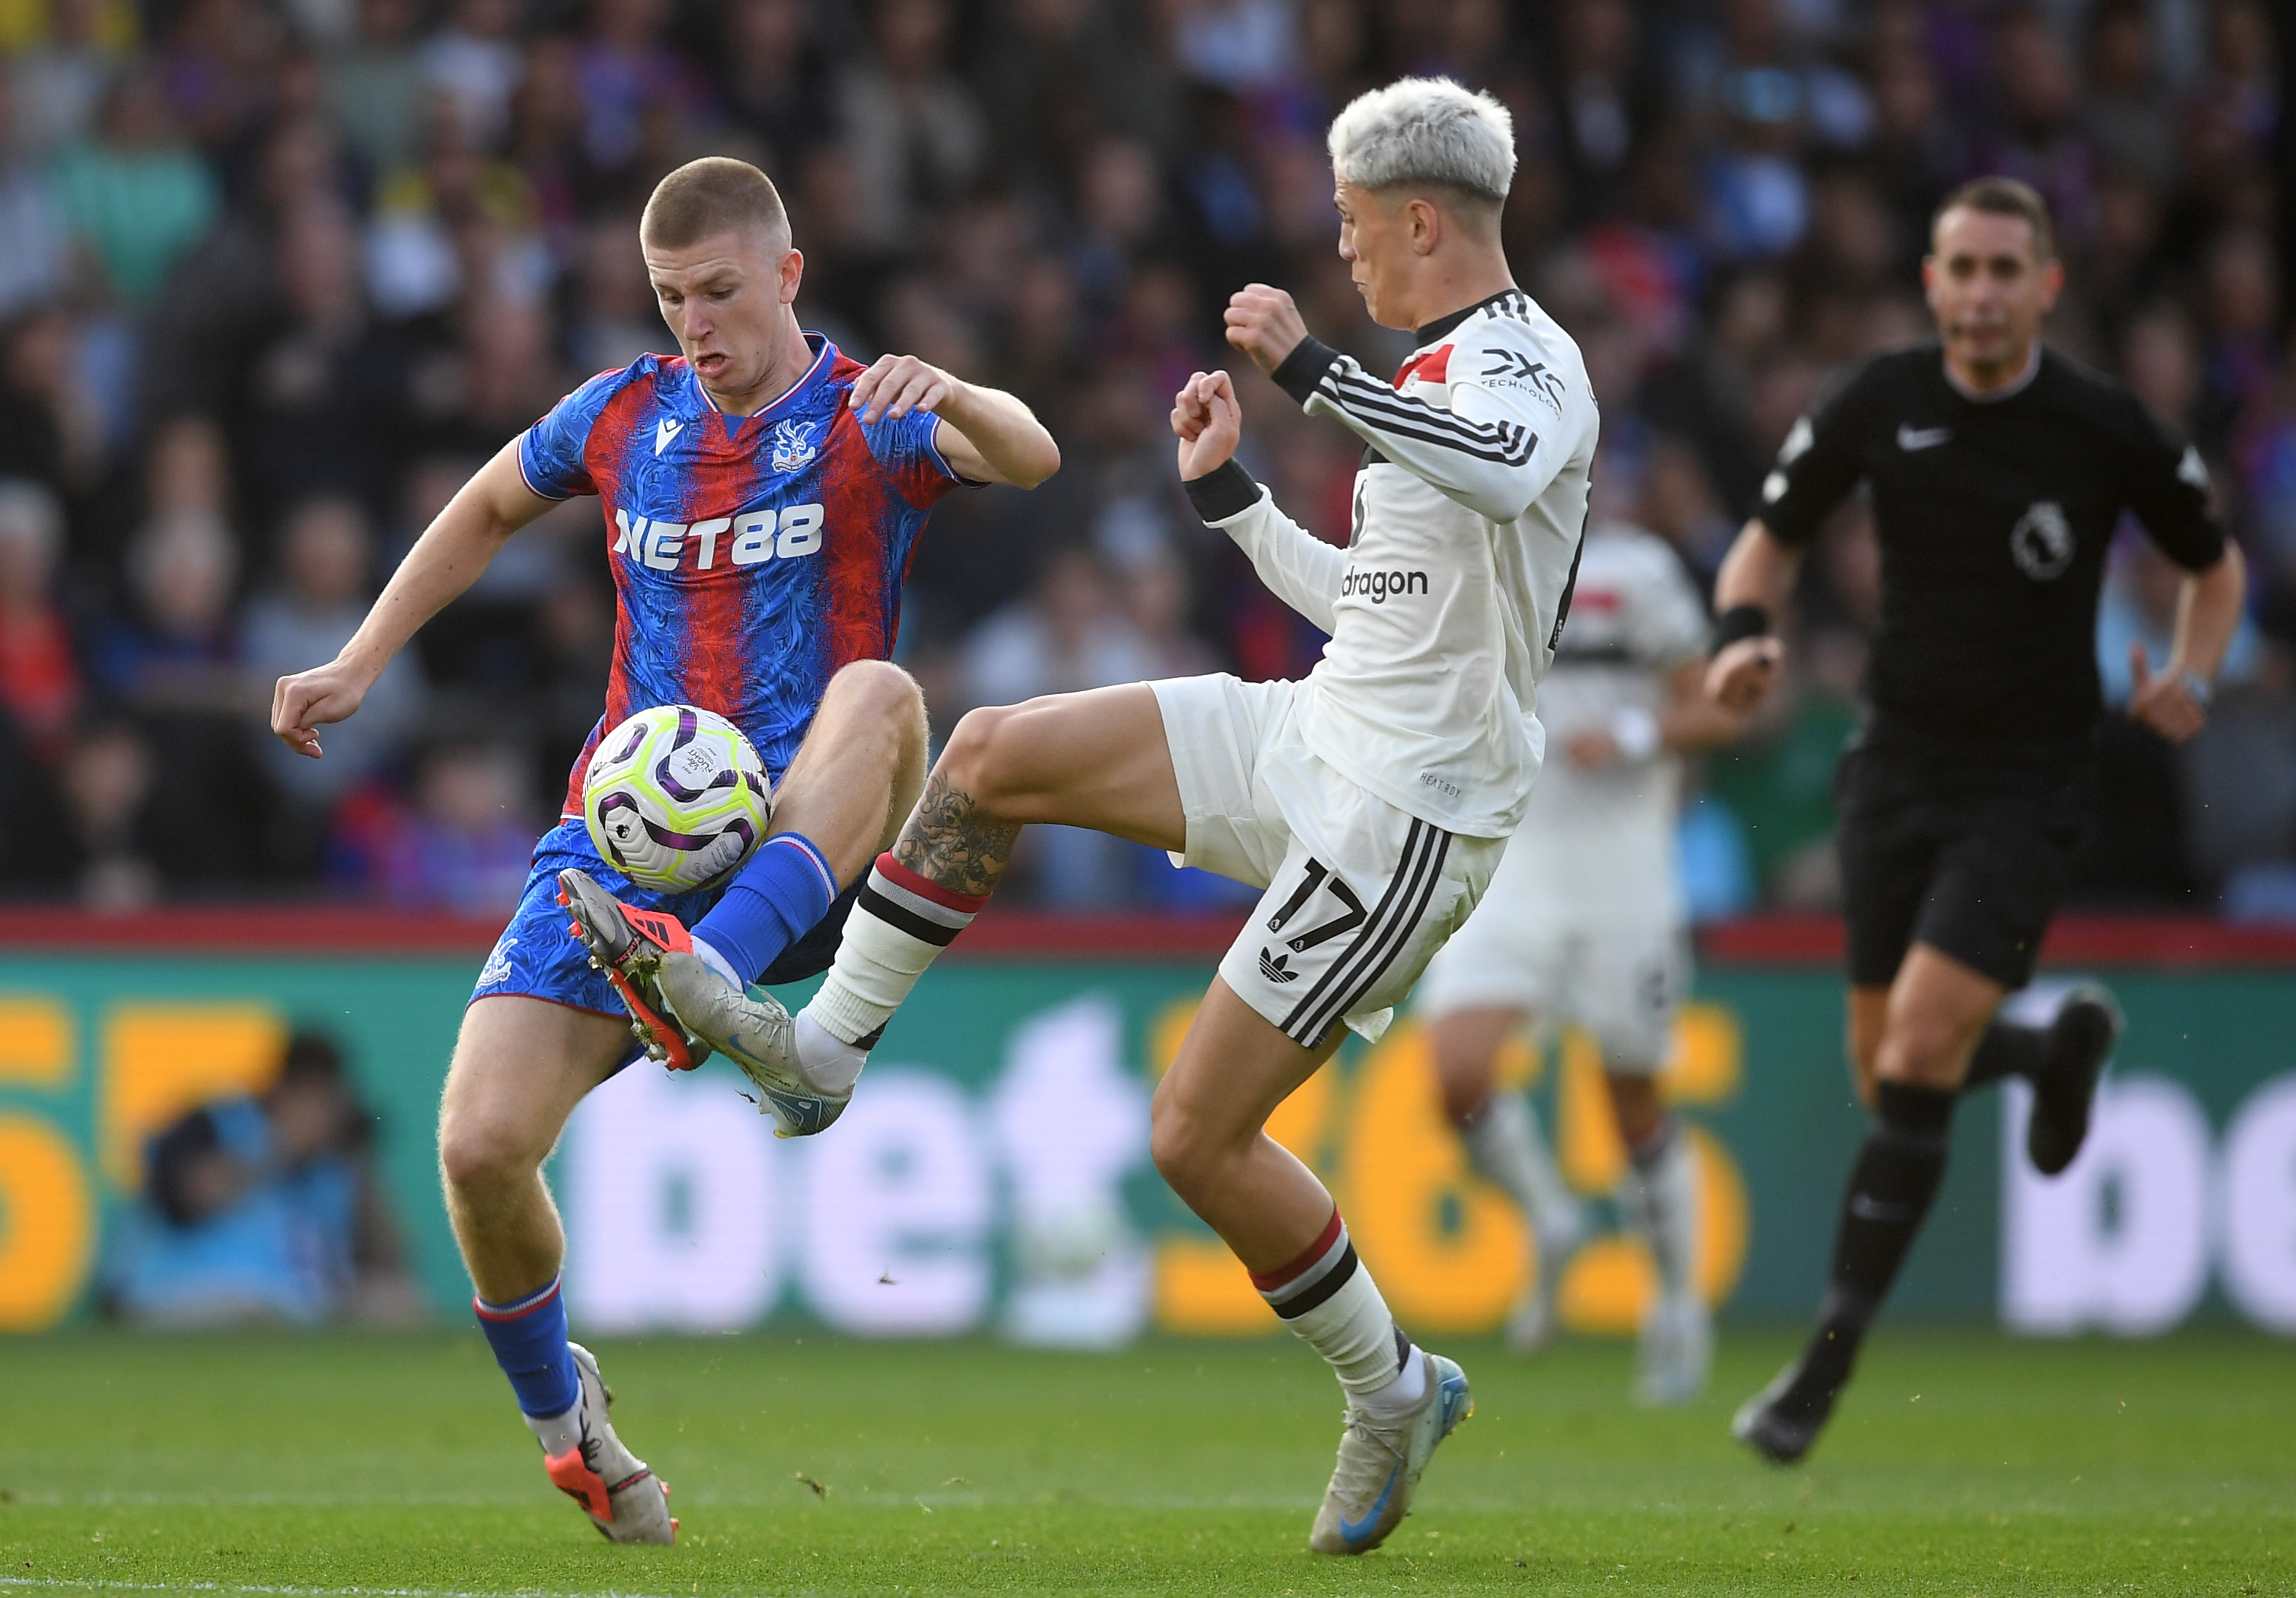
pixel 1584 925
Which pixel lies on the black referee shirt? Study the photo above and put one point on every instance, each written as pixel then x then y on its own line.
pixel 1994 517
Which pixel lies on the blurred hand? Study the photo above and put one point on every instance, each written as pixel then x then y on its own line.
pixel 894 385
pixel 1263 324
pixel 1209 421
pixel 1591 748
pixel 2163 703
pixel 1740 677
pixel 300 704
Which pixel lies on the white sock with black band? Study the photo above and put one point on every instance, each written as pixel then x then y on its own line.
pixel 900 920
pixel 1326 1296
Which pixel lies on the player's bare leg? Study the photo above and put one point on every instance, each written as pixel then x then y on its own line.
pixel 1937 1009
pixel 520 1066
pixel 862 765
pixel 1505 1144
pixel 1659 1198
pixel 840 803
pixel 1100 760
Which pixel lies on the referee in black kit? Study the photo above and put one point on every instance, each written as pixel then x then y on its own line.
pixel 1998 471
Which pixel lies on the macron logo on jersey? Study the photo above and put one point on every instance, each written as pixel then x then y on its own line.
pixel 749 540
pixel 664 431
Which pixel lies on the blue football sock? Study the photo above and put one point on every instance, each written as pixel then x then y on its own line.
pixel 786 888
pixel 529 1344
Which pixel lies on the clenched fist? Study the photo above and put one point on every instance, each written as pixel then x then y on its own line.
pixel 1209 421
pixel 1263 324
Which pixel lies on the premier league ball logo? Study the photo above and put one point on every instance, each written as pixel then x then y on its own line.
pixel 2042 541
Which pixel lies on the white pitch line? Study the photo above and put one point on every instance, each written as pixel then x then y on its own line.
pixel 94 1585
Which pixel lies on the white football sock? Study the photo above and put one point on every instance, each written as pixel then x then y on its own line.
pixel 830 1063
pixel 1327 1298
pixel 1660 1203
pixel 899 922
pixel 1505 1146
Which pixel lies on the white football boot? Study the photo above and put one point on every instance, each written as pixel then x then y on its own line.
pixel 1676 1347
pixel 1380 1462
pixel 749 1027
pixel 625 1500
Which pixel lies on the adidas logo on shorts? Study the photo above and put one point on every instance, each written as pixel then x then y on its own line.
pixel 1276 968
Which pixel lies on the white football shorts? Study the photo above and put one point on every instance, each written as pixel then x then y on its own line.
pixel 1619 977
pixel 1359 894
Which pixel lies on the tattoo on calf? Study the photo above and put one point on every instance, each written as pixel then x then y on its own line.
pixel 947 840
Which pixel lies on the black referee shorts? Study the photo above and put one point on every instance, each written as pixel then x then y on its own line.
pixel 1964 847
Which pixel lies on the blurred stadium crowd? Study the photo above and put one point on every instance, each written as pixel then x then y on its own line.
pixel 275 274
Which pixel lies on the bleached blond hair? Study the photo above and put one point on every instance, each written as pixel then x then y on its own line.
pixel 1425 131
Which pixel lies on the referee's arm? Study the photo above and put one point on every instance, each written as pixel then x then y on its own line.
pixel 2208 603
pixel 1756 580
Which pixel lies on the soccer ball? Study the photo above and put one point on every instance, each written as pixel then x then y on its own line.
pixel 676 798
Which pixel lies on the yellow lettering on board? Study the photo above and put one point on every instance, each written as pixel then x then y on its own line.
pixel 161 1060
pixel 47 1224
pixel 1610 1283
pixel 1592 1154
pixel 1707 1056
pixel 1449 1252
pixel 36 1045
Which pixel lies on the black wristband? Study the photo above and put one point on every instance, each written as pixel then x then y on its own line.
pixel 1301 370
pixel 1739 621
pixel 1226 490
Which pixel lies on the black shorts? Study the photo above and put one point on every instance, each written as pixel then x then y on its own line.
pixel 1964 847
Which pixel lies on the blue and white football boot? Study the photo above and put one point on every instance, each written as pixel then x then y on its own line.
pixel 750 1027
pixel 1379 1464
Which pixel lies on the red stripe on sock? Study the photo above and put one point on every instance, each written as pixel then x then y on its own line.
pixel 1291 1270
pixel 925 887
pixel 487 1311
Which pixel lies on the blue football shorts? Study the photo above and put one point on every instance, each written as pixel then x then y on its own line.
pixel 538 958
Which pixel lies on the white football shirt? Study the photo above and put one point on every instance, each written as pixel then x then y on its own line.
pixel 1445 607
pixel 1599 843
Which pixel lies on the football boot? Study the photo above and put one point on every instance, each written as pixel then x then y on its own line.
pixel 625 1500
pixel 1674 1347
pixel 2081 1037
pixel 1782 1420
pixel 749 1026
pixel 628 945
pixel 1380 1462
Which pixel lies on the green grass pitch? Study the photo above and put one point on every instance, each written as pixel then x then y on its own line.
pixel 370 1465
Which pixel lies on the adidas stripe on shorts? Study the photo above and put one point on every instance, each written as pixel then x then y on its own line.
pixel 1360 894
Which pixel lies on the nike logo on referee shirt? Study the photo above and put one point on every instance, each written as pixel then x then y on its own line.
pixel 666 430
pixel 1910 439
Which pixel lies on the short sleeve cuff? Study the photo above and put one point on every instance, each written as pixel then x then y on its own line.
pixel 1227 491
pixel 1304 368
pixel 536 483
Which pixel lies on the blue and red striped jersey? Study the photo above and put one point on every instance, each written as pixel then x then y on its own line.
pixel 752 556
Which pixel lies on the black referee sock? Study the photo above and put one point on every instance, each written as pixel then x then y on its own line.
pixel 1891 1189
pixel 2007 1050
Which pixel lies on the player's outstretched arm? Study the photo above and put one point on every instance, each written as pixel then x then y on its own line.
pixel 2209 604
pixel 1495 450
pixel 446 560
pixel 985 435
pixel 1298 567
pixel 1756 580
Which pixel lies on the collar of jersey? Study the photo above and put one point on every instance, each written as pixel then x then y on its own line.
pixel 2009 390
pixel 1442 325
pixel 825 356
